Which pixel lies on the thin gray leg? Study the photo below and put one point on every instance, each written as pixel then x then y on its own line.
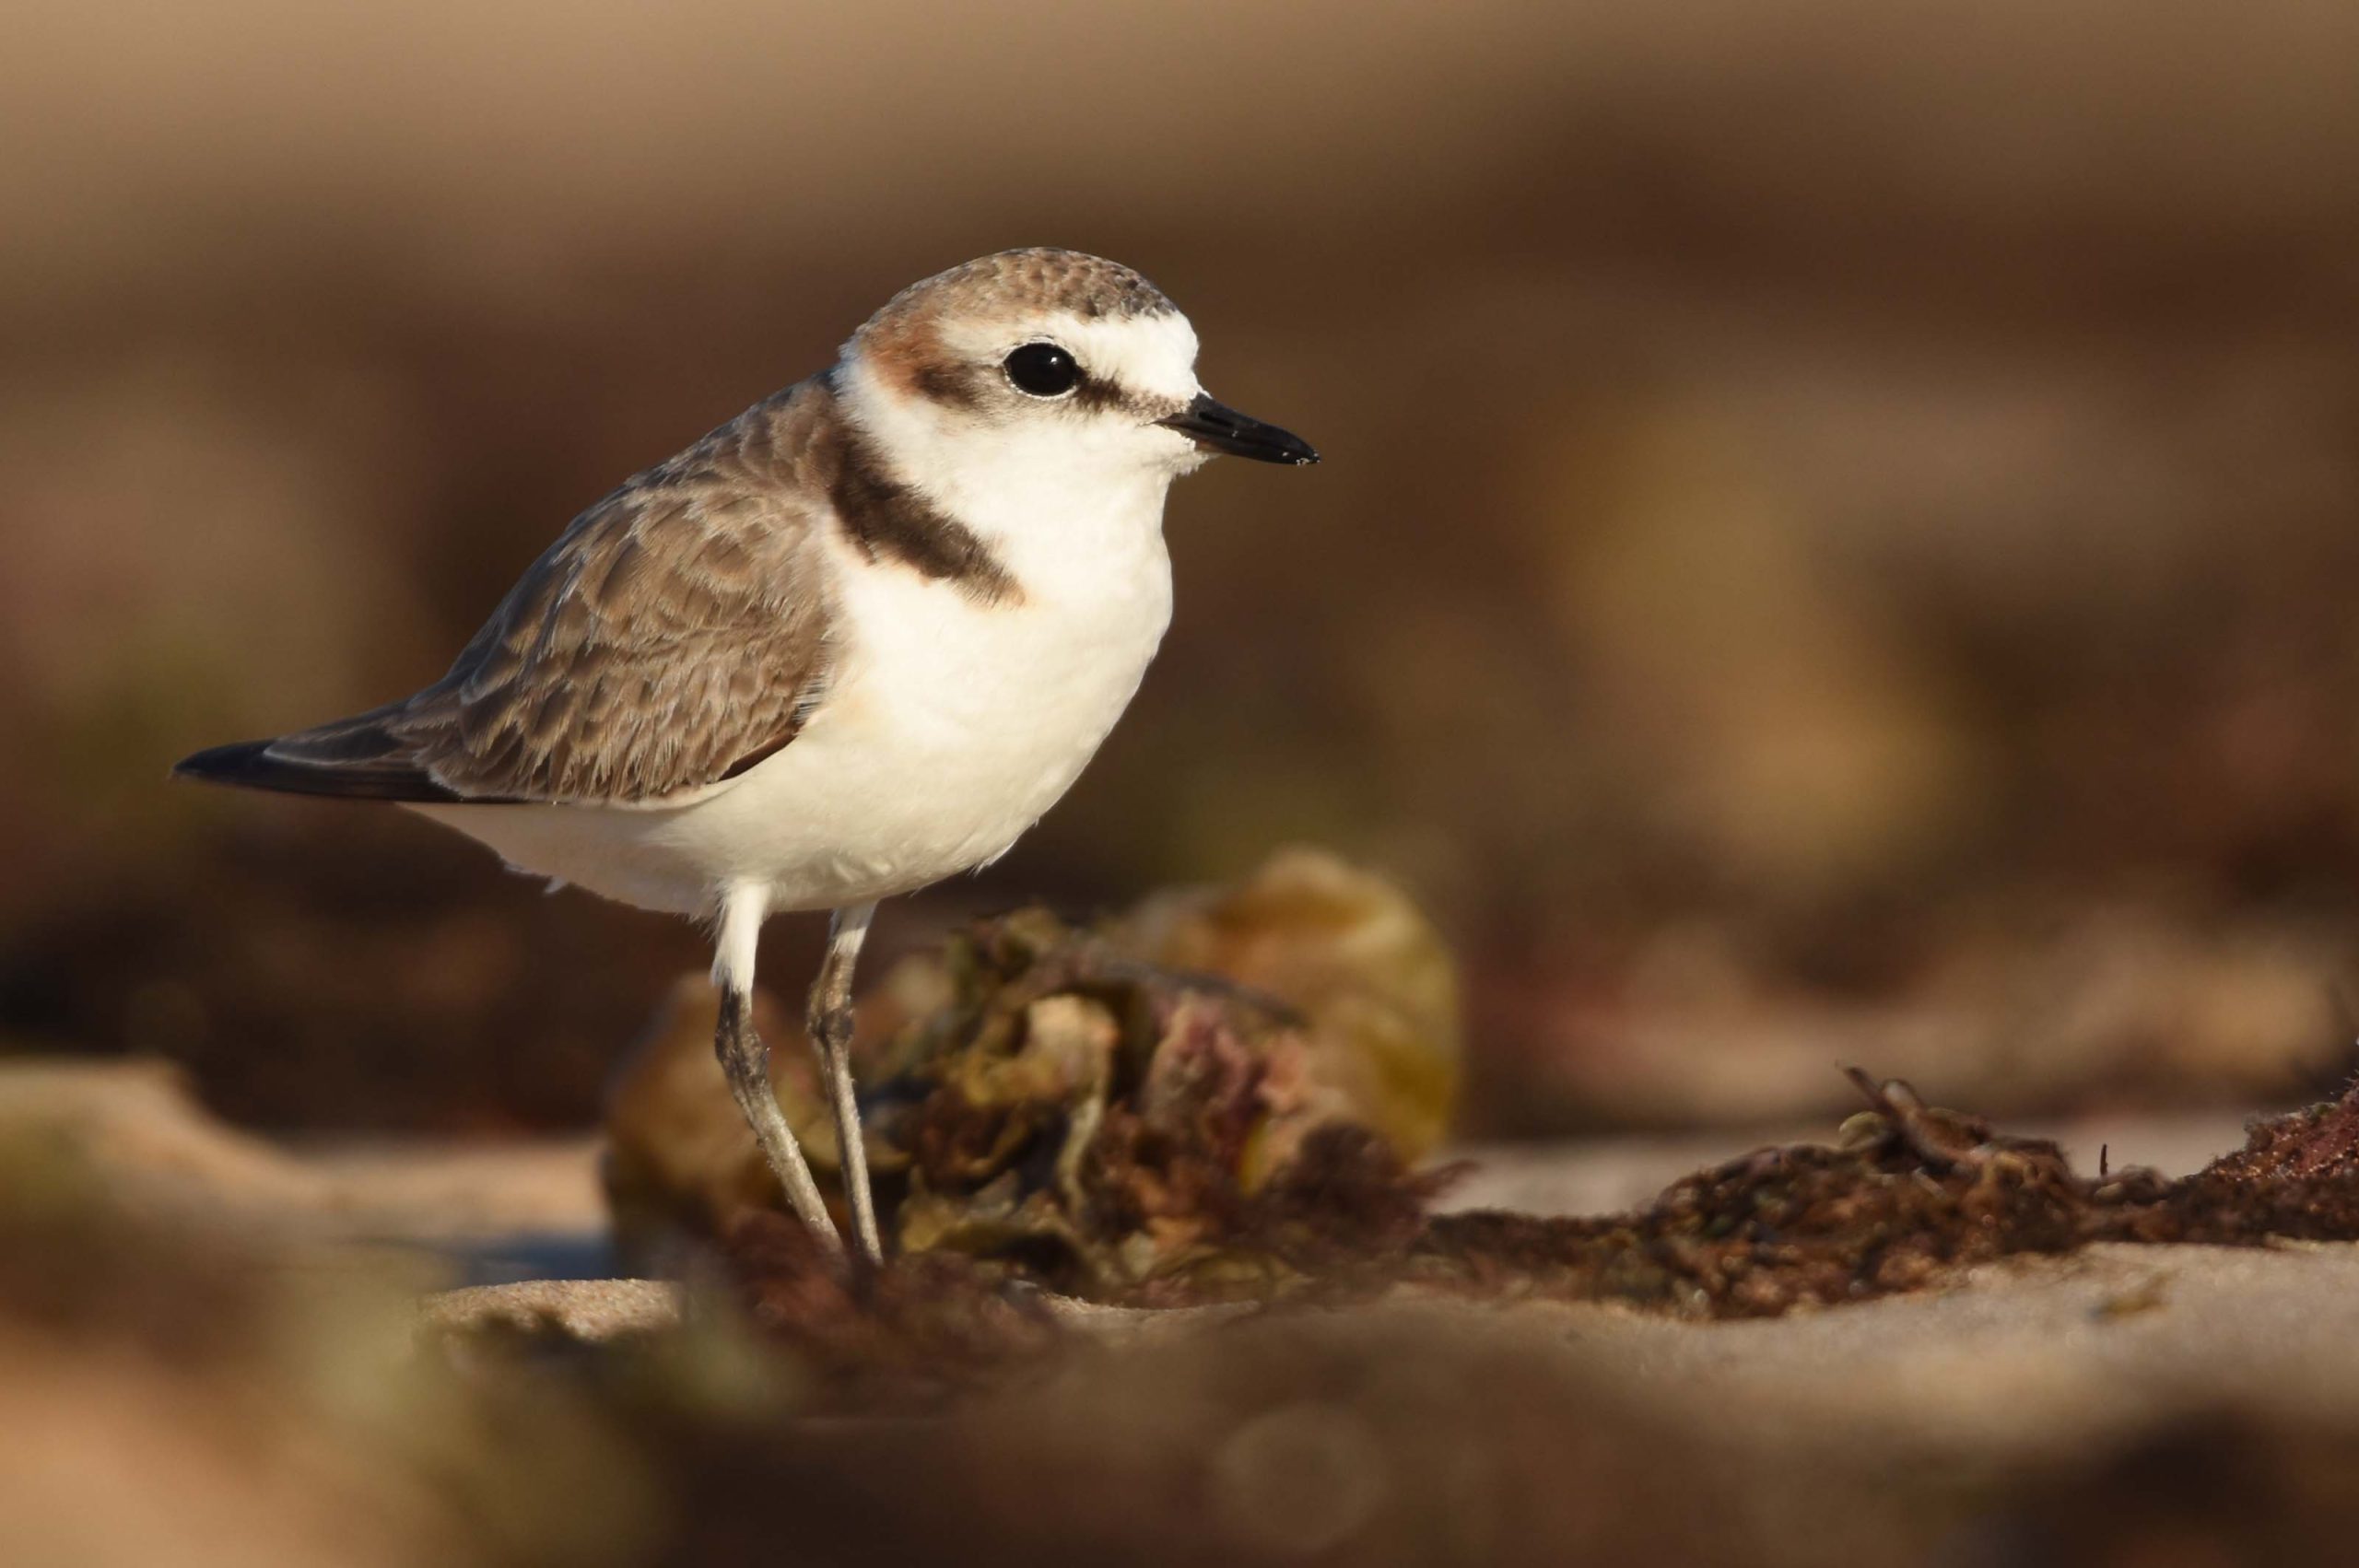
pixel 740 908
pixel 746 1062
pixel 830 1023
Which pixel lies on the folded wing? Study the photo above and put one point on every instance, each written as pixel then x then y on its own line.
pixel 676 635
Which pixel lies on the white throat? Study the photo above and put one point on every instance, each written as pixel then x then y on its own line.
pixel 1058 504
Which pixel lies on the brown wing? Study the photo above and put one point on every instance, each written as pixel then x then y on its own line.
pixel 673 635
pixel 672 638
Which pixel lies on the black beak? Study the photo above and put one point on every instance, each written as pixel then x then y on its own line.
pixel 1222 428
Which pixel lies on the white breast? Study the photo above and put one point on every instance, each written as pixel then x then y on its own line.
pixel 948 728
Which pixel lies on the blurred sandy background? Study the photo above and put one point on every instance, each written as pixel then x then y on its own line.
pixel 1836 540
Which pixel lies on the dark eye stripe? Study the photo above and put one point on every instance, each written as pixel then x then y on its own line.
pixel 1098 394
pixel 953 387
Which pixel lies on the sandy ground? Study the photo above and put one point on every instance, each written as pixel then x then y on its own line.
pixel 1830 1431
pixel 2057 1347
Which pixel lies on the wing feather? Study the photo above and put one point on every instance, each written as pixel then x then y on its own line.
pixel 675 634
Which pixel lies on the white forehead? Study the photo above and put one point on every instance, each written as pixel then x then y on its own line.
pixel 1152 353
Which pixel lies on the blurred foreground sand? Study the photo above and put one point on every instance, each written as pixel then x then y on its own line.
pixel 2010 1400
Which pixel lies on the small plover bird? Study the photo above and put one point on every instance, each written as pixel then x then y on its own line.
pixel 852 642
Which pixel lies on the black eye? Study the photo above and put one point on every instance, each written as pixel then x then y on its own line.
pixel 1043 370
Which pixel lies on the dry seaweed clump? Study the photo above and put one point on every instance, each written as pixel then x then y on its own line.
pixel 1908 1194
pixel 930 1325
pixel 1120 1130
pixel 2320 1141
pixel 1908 1191
pixel 1905 1197
pixel 1191 1100
pixel 1224 1096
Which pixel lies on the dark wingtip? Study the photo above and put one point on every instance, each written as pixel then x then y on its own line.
pixel 236 763
pixel 256 764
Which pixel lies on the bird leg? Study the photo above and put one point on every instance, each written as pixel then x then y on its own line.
pixel 745 1060
pixel 830 1023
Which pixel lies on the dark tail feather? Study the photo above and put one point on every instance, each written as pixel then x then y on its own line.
pixel 355 760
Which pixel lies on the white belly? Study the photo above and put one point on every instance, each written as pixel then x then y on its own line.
pixel 949 728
